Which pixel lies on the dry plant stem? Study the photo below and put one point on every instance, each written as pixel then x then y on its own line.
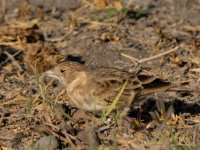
pixel 194 135
pixel 1 119
pixel 3 8
pixel 48 130
pixel 14 62
pixel 5 138
pixel 134 60
pixel 15 54
pixel 69 137
pixel 105 128
pixel 191 28
pixel 125 111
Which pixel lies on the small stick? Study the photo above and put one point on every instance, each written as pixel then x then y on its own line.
pixel 14 62
pixel 131 58
pixel 134 60
pixel 159 55
pixel 143 60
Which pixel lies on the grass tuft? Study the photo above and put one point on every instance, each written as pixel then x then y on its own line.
pixel 161 115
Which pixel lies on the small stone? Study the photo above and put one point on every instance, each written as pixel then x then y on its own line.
pixel 47 142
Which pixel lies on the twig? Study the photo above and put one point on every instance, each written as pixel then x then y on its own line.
pixel 159 55
pixel 14 62
pixel 143 60
pixel 15 54
pixel 134 60
pixel 49 131
pixel 131 58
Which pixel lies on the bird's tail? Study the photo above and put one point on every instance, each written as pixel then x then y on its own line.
pixel 154 84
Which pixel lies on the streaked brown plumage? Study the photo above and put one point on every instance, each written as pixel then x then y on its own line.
pixel 96 89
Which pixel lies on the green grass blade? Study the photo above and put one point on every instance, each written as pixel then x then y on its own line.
pixel 112 106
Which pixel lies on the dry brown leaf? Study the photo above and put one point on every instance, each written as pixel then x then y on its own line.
pixel 100 4
pixel 72 21
pixel 118 5
pixel 5 148
pixel 2 77
pixel 9 67
pixel 176 120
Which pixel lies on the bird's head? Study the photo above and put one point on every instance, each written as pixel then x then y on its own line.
pixel 66 72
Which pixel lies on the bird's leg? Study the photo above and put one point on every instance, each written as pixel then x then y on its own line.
pixel 125 110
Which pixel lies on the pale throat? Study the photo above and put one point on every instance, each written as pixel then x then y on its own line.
pixel 76 89
pixel 78 83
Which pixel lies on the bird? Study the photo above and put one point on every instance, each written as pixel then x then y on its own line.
pixel 95 89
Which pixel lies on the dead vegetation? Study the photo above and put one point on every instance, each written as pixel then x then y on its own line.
pixel 161 37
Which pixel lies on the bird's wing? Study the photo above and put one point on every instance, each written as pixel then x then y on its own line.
pixel 109 82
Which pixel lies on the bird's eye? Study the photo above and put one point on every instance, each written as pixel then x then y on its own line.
pixel 62 70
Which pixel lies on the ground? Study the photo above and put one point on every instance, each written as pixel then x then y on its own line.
pixel 161 38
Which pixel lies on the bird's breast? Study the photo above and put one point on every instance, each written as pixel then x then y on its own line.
pixel 76 90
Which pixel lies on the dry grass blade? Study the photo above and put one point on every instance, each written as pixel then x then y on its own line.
pixel 65 115
pixel 160 105
pixel 195 70
pixel 23 25
pixel 3 8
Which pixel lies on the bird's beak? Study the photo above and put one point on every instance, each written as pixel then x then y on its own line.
pixel 50 73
